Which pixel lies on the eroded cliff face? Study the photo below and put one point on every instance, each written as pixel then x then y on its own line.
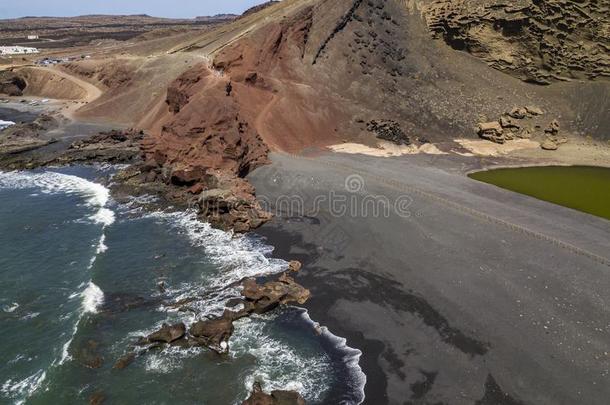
pixel 539 41
pixel 203 145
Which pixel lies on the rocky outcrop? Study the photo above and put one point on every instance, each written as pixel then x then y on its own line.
pixel 116 147
pixel 266 297
pixel 11 83
pixel 538 41
pixel 24 137
pixel 492 131
pixel 277 397
pixel 257 8
pixel 523 123
pixel 229 203
pixel 205 147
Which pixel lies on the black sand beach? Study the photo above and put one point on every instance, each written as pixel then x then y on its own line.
pixel 466 294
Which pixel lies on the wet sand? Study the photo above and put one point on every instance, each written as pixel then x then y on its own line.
pixel 467 294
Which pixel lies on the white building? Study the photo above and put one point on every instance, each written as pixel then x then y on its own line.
pixel 16 50
pixel 33 37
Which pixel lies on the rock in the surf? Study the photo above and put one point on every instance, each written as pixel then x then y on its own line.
pixel 124 361
pixel 213 333
pixel 295 266
pixel 258 397
pixel 167 333
pixel 264 298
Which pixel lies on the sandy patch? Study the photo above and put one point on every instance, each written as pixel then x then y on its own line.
pixel 386 149
pixel 487 148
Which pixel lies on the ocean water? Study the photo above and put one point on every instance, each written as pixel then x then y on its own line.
pixel 79 283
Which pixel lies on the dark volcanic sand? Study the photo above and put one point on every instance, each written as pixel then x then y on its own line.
pixel 479 296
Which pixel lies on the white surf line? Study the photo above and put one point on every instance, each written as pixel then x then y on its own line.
pixel 399 186
pixel 5 124
pixel 351 357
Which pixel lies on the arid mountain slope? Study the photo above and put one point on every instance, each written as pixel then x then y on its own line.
pixel 299 74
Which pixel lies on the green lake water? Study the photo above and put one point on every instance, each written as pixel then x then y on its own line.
pixel 583 188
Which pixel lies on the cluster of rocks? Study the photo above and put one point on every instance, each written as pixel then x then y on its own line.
pixel 215 333
pixel 388 130
pixel 537 41
pixel 225 201
pixel 511 126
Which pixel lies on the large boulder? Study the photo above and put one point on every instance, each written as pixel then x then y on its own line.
pixel 549 144
pixel 214 333
pixel 265 297
pixel 277 397
pixel 167 333
pixel 492 131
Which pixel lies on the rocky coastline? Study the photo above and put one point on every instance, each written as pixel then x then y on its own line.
pixel 220 197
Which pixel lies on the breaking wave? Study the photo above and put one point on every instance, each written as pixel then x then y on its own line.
pixel 95 196
pixel 234 258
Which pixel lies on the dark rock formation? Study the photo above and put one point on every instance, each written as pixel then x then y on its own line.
pixel 259 7
pixel 538 41
pixel 389 130
pixel 117 147
pixel 167 333
pixel 214 333
pixel 124 361
pixel 266 297
pixel 97 398
pixel 258 397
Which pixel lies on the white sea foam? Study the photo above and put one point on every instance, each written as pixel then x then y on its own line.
pixel 101 246
pixel 237 257
pixel 93 297
pixel 30 316
pixel 5 124
pixel 278 365
pixel 233 257
pixel 10 308
pixel 23 388
pixel 349 356
pixel 169 359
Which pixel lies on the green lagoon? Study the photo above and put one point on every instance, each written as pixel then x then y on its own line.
pixel 583 188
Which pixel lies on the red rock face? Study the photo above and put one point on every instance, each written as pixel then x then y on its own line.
pixel 203 131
